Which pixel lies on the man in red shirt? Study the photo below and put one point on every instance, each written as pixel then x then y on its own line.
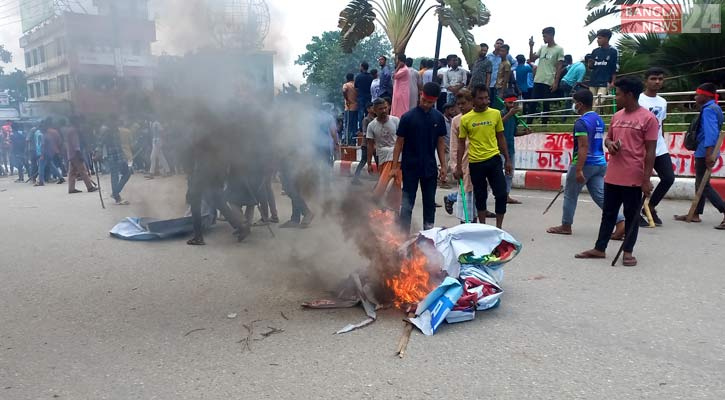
pixel 631 141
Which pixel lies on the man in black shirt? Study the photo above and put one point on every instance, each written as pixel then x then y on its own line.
pixel 603 64
pixel 363 80
pixel 421 133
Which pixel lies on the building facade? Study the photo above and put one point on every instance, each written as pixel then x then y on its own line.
pixel 92 59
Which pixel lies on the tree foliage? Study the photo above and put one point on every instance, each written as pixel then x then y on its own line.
pixel 326 64
pixel 461 16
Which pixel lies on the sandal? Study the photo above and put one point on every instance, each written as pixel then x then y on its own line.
pixel 590 254
pixel 683 218
pixel 512 201
pixel 558 230
pixel 629 261
pixel 196 242
pixel 721 227
pixel 617 237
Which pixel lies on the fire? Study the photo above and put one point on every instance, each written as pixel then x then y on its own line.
pixel 412 284
pixel 410 281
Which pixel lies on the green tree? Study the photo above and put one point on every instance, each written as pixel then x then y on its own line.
pixel 17 86
pixel 326 64
pixel 400 18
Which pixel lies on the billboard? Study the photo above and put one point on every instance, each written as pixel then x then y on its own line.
pixel 35 12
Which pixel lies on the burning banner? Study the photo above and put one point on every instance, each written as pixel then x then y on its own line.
pixel 443 274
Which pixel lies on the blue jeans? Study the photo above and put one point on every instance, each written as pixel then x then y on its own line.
pixel 594 175
pixel 120 175
pixel 351 127
pixel 47 163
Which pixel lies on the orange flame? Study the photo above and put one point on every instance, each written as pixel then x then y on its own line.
pixel 412 282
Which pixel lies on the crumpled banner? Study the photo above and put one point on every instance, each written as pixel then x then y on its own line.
pixel 479 244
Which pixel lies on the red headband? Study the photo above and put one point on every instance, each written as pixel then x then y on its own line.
pixel 429 98
pixel 510 99
pixel 708 93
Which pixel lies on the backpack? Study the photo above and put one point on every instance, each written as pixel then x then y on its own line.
pixel 690 140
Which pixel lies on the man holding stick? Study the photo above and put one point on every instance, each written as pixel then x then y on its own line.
pixel 706 155
pixel 588 165
pixel 631 141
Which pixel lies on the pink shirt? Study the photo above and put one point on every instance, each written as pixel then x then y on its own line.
pixel 633 129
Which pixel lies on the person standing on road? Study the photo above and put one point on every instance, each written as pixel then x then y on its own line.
pixel 369 117
pixel 421 134
pixel 706 155
pixel 76 164
pixel 551 65
pixel 52 147
pixel 456 78
pixel 588 165
pixel 374 86
pixel 654 79
pixel 631 141
pixel 483 127
pixel 158 159
pixel 415 84
pixel 381 137
pixel 464 101
pixel 481 71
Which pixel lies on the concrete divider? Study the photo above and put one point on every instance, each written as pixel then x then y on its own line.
pixel 682 189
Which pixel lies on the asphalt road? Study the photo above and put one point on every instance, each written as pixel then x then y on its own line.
pixel 85 316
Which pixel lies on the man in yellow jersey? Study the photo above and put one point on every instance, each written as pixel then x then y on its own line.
pixel 483 127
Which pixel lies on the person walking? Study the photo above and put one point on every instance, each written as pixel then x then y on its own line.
pixel 76 163
pixel 588 165
pixel 631 141
pixel 111 151
pixel 381 137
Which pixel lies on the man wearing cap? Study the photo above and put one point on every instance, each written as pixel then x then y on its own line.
pixel 421 133
pixel 706 155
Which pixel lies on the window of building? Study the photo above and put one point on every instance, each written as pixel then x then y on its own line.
pixel 59 47
pixel 46 87
pixel 27 60
pixel 61 84
pixel 41 52
pixel 31 90
pixel 35 56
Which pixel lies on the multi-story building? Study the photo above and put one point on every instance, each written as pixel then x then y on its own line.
pixel 93 56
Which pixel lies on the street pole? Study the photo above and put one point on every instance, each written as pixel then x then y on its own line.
pixel 438 45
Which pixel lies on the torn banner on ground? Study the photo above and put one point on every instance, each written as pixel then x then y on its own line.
pixel 145 229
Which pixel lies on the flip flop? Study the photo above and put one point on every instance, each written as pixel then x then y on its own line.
pixel 618 238
pixel 122 203
pixel 589 255
pixel 721 227
pixel 512 201
pixel 683 218
pixel 558 230
pixel 629 261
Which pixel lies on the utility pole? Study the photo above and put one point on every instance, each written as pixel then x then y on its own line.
pixel 438 43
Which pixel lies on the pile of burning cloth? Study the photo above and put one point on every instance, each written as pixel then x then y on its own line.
pixel 474 255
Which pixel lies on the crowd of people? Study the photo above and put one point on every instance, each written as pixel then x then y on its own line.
pixel 65 149
pixel 466 122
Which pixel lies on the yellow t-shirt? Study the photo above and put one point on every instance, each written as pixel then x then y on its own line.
pixel 480 129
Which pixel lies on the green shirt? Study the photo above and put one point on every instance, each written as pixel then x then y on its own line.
pixel 549 57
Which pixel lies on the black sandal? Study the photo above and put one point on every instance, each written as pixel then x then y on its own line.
pixel 196 242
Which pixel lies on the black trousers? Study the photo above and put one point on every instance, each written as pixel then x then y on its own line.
pixel 541 91
pixel 616 196
pixel 428 186
pixel 663 166
pixel 489 172
pixel 709 193
pixel 201 187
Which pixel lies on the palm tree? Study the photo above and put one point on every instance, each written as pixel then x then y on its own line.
pixel 599 9
pixel 400 18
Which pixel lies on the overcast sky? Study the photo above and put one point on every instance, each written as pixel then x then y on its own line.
pixel 294 23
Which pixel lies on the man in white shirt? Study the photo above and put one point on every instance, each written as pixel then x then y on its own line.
pixel 375 86
pixel 381 136
pixel 654 80
pixel 443 66
pixel 456 78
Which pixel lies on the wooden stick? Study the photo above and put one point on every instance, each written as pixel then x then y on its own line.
pixel 405 336
pixel 705 180
pixel 648 213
